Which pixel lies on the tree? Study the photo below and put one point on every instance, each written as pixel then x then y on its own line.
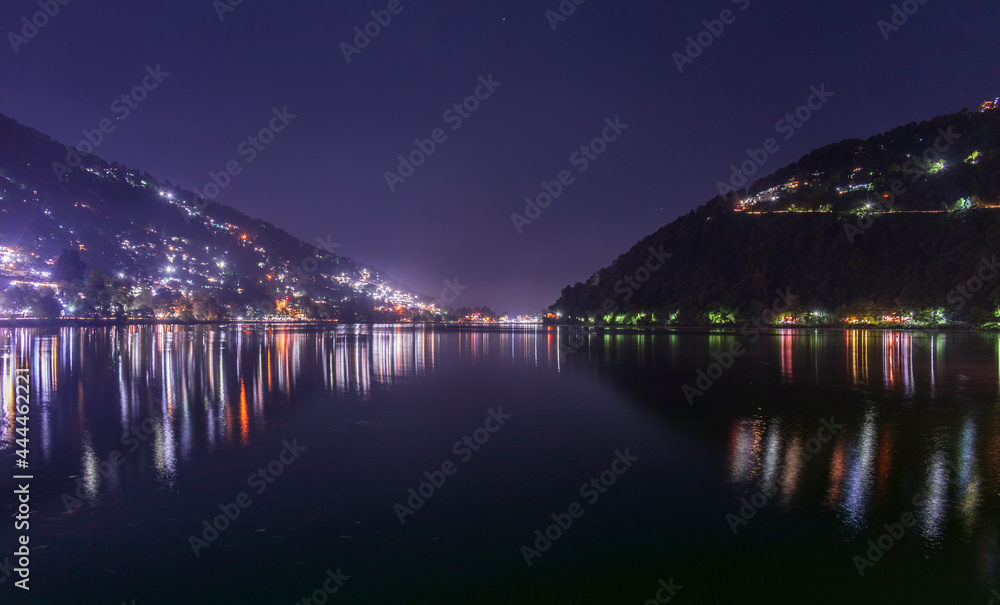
pixel 122 298
pixel 18 299
pixel 103 294
pixel 47 306
pixel 305 306
pixel 356 310
pixel 144 298
pixel 185 314
pixel 96 294
pixel 206 308
pixel 165 301
pixel 69 267
pixel 264 307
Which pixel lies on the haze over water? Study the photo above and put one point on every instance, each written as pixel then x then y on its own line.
pixel 916 430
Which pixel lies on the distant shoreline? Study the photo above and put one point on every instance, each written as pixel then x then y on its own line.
pixel 729 328
pixel 82 322
pixel 734 328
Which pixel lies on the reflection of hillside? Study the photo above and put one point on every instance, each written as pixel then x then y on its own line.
pixel 207 388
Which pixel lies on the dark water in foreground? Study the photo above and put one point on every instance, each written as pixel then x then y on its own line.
pixel 821 438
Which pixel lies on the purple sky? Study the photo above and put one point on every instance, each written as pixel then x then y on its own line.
pixel 324 175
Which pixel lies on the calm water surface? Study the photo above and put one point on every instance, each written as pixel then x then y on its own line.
pixel 776 486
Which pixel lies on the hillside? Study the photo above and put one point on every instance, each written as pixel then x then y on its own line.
pixel 901 227
pixel 163 247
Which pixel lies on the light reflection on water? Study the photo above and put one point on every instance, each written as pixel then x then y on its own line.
pixel 860 474
pixel 860 467
pixel 931 413
pixel 954 430
pixel 222 381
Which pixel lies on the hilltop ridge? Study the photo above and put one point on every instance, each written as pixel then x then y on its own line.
pixel 893 229
pixel 161 250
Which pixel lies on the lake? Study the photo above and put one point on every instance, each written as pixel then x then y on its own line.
pixel 412 464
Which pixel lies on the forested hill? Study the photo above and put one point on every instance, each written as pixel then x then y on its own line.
pixel 904 223
pixel 148 234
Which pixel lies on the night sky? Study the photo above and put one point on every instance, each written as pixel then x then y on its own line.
pixel 324 175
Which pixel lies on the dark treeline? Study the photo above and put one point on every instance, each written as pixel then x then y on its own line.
pixel 862 255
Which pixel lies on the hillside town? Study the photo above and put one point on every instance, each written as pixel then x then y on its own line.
pixel 160 277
